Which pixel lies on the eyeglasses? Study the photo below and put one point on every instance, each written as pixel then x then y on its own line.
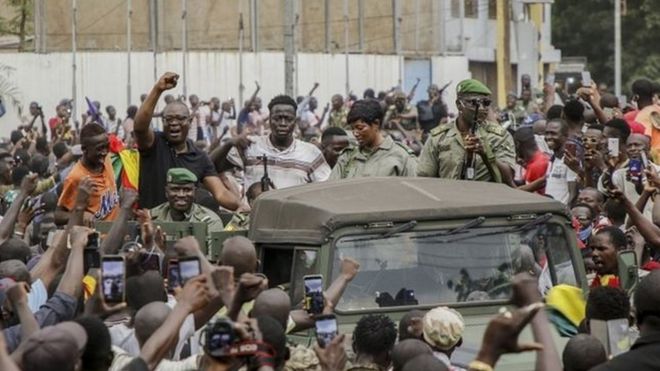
pixel 173 119
pixel 475 102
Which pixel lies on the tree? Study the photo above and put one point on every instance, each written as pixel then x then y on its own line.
pixel 20 24
pixel 8 90
pixel 586 28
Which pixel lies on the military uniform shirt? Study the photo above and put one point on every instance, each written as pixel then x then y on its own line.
pixel 444 153
pixel 406 123
pixel 338 119
pixel 389 159
pixel 197 214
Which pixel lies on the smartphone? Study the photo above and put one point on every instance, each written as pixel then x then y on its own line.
pixel 635 167
pixel 173 278
pixel 550 80
pixel 93 240
pixel 326 329
pixel 623 101
pixel 571 148
pixel 613 147
pixel 189 267
pixel 314 293
pixel 627 269
pixel 113 278
pixel 586 79
pixel 91 259
pixel 645 160
pixel 150 261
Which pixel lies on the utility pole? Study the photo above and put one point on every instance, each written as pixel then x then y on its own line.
pixel 129 17
pixel 396 15
pixel 289 47
pixel 416 26
pixel 617 48
pixel 241 35
pixel 184 45
pixel 254 25
pixel 326 15
pixel 153 30
pixel 361 25
pixel 503 51
pixel 74 47
pixel 39 26
pixel 348 76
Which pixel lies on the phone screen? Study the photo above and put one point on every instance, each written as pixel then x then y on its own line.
pixel 188 268
pixel 93 240
pixel 326 329
pixel 571 148
pixel 586 78
pixel 613 147
pixel 113 273
pixel 173 279
pixel 314 294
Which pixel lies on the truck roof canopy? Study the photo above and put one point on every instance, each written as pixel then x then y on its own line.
pixel 308 214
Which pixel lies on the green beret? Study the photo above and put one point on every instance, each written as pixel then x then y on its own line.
pixel 180 175
pixel 472 86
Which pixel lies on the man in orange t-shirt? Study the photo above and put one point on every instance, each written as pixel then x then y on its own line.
pixel 103 201
pixel 648 114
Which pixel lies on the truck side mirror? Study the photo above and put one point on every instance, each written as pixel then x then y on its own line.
pixel 628 273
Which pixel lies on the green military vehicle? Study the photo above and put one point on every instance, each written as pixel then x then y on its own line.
pixel 421 243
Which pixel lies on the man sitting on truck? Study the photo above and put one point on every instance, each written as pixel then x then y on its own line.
pixel 180 193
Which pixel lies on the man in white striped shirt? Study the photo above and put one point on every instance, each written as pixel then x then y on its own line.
pixel 290 161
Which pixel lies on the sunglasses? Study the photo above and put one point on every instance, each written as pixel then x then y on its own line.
pixel 475 102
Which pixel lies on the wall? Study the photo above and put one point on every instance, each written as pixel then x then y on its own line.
pixel 46 78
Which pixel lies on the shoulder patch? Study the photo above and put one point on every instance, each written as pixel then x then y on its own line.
pixel 495 129
pixel 405 148
pixel 440 129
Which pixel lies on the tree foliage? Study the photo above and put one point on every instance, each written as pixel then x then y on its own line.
pixel 586 28
pixel 20 21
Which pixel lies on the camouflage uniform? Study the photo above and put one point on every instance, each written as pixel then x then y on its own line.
pixel 196 214
pixel 338 118
pixel 444 152
pixel 389 159
pixel 239 222
pixel 406 123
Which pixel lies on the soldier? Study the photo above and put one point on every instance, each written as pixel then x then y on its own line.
pixel 180 206
pixel 338 113
pixel 375 154
pixel 445 152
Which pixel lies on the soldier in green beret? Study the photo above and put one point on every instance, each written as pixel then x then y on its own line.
pixel 180 206
pixel 376 154
pixel 449 147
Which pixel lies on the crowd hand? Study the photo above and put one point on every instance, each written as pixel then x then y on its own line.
pixel 616 194
pixel 652 176
pixel 572 162
pixel 78 236
pixel 128 197
pixel 146 226
pixel 96 306
pixel 501 336
pixel 29 184
pixel 194 295
pixel 167 81
pixel 349 268
pixel 525 290
pixel 26 215
pixel 222 284
pixel 242 142
pixel 548 89
pixel 18 293
pixel 249 286
pixel 85 189
pixel 248 330
pixel 187 246
pixel 473 144
pixel 333 356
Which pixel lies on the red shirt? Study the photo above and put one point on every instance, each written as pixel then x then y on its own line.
pixel 536 168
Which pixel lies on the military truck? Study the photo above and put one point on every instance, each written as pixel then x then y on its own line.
pixel 421 243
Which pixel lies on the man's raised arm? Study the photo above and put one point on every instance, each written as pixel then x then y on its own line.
pixel 144 135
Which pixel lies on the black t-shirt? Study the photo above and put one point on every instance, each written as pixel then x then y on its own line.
pixel 155 161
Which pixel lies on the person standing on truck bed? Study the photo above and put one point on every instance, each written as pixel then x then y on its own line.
pixel 444 153
pixel 375 155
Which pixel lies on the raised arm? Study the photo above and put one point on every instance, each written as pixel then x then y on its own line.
pixel 114 240
pixel 71 283
pixel 144 135
pixel 28 185
pixel 17 296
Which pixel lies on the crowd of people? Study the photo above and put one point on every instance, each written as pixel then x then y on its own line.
pixel 204 161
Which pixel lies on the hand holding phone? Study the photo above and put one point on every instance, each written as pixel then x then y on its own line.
pixel 326 329
pixel 586 79
pixel 613 147
pixel 189 267
pixel 113 278
pixel 314 302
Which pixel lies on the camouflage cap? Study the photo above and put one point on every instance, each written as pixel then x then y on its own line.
pixel 443 327
pixel 472 86
pixel 180 175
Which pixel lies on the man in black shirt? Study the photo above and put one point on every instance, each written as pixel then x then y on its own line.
pixel 644 353
pixel 431 111
pixel 161 151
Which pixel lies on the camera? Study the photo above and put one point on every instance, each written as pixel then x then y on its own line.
pixel 221 341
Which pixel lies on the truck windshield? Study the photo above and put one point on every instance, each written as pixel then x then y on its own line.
pixel 427 267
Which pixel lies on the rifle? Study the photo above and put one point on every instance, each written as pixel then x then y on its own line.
pixel 411 95
pixel 265 180
pixel 468 170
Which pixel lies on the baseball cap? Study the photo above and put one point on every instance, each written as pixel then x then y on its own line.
pixel 56 348
pixel 443 327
